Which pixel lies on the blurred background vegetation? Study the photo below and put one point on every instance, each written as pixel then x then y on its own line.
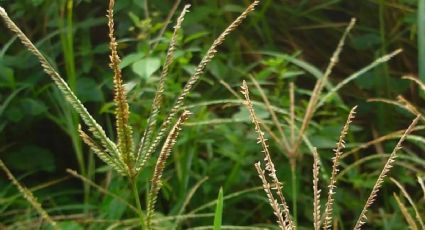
pixel 283 41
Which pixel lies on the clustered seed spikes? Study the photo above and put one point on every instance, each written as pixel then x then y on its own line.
pixel 285 222
pixel 194 79
pixel 122 156
pixel 157 101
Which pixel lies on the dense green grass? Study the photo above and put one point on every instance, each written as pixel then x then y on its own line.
pixel 282 42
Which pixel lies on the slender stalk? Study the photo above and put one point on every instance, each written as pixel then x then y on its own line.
pixel 135 192
pixel 72 120
pixel 421 39
pixel 294 190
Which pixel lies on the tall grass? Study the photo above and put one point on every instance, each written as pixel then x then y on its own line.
pixel 274 188
pixel 124 156
pixel 421 39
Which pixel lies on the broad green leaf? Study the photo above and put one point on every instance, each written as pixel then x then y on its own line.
pixel 130 59
pixel 146 67
pixel 88 90
pixel 33 107
pixel 31 158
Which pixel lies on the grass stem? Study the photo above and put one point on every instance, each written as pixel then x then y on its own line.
pixel 294 190
pixel 135 192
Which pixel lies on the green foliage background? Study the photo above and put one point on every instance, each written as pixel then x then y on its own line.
pixel 38 137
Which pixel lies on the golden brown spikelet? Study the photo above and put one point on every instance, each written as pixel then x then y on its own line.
pixel 160 165
pixel 316 190
pixel 283 139
pixel 387 167
pixel 272 201
pixel 327 222
pixel 270 168
pixel 102 154
pixel 122 112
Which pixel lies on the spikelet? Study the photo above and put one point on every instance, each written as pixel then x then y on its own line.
pixel 157 101
pixel 124 131
pixel 194 79
pixel 283 138
pixel 93 126
pixel 311 107
pixel 316 190
pixel 108 159
pixel 338 152
pixel 378 184
pixel 408 106
pixel 27 194
pixel 416 80
pixel 272 201
pixel 270 168
pixel 160 165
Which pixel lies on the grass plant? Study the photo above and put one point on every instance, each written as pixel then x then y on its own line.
pixel 148 180
pixel 126 159
pixel 274 188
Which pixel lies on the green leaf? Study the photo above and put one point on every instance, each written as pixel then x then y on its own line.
pixel 33 107
pixel 243 114
pixel 218 211
pixel 7 78
pixel 69 225
pixel 88 90
pixel 130 59
pixel 421 39
pixel 146 67
pixel 31 158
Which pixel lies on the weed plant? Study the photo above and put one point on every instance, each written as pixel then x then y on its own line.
pixel 274 188
pixel 221 153
pixel 126 159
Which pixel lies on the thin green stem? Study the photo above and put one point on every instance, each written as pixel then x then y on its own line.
pixel 421 39
pixel 137 200
pixel 294 190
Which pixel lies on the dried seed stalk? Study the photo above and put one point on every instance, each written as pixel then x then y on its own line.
pixel 316 190
pixel 270 168
pixel 160 165
pixel 378 184
pixel 338 152
pixel 122 112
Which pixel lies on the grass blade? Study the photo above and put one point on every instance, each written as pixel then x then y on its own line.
pixel 218 211
pixel 421 39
